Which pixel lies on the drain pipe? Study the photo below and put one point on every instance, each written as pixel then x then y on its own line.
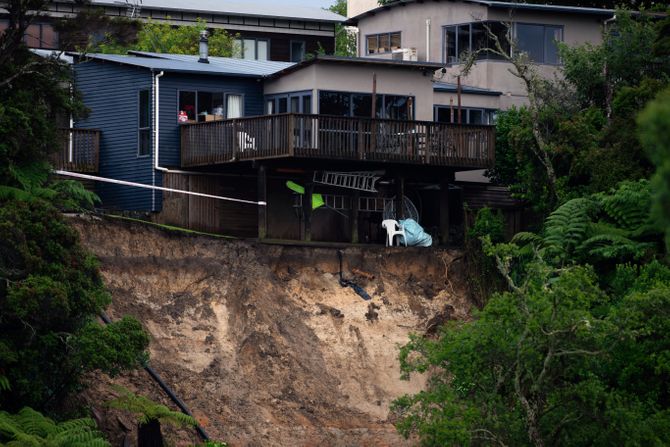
pixel 173 397
pixel 427 40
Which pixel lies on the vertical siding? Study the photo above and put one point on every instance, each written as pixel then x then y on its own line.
pixel 110 92
pixel 172 83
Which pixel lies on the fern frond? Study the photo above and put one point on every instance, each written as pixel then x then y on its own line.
pixel 146 410
pixel 612 246
pixel 567 226
pixel 629 205
pixel 527 237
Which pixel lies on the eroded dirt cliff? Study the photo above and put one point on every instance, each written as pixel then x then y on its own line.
pixel 261 341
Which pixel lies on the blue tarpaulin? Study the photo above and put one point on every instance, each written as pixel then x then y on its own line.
pixel 414 234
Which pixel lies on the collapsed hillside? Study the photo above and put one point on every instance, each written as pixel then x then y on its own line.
pixel 261 341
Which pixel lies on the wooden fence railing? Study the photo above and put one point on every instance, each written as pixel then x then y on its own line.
pixel 332 137
pixel 79 151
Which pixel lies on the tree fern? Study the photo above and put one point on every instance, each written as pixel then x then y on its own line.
pixel 146 410
pixel 30 428
pixel 566 228
pixel 628 205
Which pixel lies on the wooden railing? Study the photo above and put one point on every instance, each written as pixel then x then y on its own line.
pixel 79 150
pixel 332 137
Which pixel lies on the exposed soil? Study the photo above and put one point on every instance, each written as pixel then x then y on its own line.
pixel 261 341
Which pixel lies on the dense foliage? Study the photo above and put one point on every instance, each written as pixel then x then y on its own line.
pixel 575 350
pixel 164 38
pixel 587 118
pixel 51 292
pixel 345 41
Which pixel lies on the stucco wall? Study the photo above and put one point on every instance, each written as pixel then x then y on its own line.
pixel 352 78
pixel 410 20
pixel 467 100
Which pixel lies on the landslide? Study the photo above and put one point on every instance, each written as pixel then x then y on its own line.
pixel 261 341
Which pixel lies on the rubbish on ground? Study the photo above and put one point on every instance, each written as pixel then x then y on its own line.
pixel 415 235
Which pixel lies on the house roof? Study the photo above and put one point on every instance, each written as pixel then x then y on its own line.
pixel 424 66
pixel 256 8
pixel 448 87
pixel 492 4
pixel 189 64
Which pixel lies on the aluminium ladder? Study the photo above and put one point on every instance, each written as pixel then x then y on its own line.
pixel 360 180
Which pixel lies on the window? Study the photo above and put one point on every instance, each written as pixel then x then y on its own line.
pixel 360 105
pixel 40 35
pixel 469 115
pixel 235 106
pixel 200 106
pixel 144 124
pixel 295 102
pixel 383 43
pixel 297 50
pixel 471 37
pixel 253 49
pixel 539 42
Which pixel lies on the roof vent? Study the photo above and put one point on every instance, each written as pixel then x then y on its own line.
pixel 204 47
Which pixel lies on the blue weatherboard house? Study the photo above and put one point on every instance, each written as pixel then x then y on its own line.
pixel 355 133
pixel 134 99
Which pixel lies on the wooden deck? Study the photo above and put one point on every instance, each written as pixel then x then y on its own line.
pixel 79 150
pixel 337 138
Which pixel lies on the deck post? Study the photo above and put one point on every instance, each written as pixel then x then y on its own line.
pixel 262 197
pixel 444 208
pixel 307 211
pixel 354 217
pixel 291 134
pixel 400 198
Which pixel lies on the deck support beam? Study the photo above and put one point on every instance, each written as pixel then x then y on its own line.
pixel 354 217
pixel 262 197
pixel 307 211
pixel 400 198
pixel 444 208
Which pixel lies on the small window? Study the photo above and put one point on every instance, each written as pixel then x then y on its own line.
pixel 297 50
pixel 144 124
pixel 187 111
pixel 539 42
pixel 383 43
pixel 251 49
pixel 235 107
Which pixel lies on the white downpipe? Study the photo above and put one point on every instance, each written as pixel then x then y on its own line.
pixel 157 188
pixel 427 40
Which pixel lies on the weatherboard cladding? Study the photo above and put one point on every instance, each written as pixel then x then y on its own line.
pixel 172 83
pixel 110 92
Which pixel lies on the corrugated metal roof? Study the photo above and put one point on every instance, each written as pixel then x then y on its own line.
pixel 258 8
pixel 492 4
pixel 467 89
pixel 417 65
pixel 190 64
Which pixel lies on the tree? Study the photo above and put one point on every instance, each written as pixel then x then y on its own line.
pixel 345 41
pixel 583 123
pixel 165 38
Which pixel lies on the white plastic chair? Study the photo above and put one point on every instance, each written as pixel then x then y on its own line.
pixel 393 228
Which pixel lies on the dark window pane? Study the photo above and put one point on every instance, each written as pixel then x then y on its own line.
pixel 372 44
pixel 282 105
pixel 145 142
pixel 450 44
pixel 295 104
pixel 145 112
pixel 443 115
pixel 297 51
pixel 395 41
pixel 49 36
pixel 500 30
pixel 396 107
pixel 217 105
pixel 187 104
pixel 552 35
pixel 204 105
pixel 463 39
pixel 307 104
pixel 530 39
pixel 476 116
pixel 384 43
pixel 362 105
pixel 334 103
pixel 479 37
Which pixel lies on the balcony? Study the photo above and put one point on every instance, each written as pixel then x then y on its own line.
pixel 79 150
pixel 337 138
